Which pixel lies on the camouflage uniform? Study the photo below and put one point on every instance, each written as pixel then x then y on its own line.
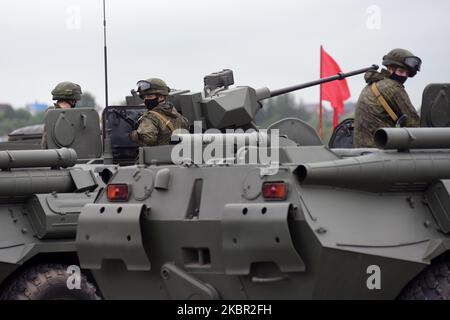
pixel 44 144
pixel 155 127
pixel 152 131
pixel 370 114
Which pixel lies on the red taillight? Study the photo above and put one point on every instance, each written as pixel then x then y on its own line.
pixel 274 190
pixel 117 192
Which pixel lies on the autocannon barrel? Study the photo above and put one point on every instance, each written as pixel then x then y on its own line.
pixel 379 172
pixel 264 94
pixel 37 158
pixel 412 138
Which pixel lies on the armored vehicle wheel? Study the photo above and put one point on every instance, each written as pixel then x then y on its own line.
pixel 47 282
pixel 432 284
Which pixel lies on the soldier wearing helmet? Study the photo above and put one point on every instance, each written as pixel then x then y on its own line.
pixel 155 126
pixel 66 94
pixel 384 101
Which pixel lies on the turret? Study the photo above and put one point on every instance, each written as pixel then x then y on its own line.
pixel 221 106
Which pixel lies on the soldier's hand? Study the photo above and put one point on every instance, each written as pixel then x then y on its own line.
pixel 401 121
pixel 133 135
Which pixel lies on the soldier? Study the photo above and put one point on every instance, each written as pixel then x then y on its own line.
pixel 384 101
pixel 66 95
pixel 155 126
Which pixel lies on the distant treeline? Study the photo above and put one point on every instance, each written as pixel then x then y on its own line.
pixel 273 110
pixel 16 118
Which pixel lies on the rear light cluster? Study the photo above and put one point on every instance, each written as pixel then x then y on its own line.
pixel 117 192
pixel 274 190
pixel 270 191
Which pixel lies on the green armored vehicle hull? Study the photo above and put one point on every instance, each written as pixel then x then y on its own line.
pixel 319 223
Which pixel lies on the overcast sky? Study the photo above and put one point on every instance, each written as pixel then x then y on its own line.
pixel 271 43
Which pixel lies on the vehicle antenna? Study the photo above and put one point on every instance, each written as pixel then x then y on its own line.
pixel 105 54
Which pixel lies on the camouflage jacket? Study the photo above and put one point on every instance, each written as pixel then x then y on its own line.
pixel 44 144
pixel 153 131
pixel 370 114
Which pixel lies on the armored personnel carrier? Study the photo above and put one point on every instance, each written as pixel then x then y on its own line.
pixel 97 217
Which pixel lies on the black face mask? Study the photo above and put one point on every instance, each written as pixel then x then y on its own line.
pixel 151 103
pixel 398 78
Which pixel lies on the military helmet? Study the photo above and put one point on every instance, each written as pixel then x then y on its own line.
pixel 404 59
pixel 67 91
pixel 152 86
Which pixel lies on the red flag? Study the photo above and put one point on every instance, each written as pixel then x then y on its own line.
pixel 335 92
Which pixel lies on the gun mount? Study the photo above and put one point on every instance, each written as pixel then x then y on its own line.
pixel 221 106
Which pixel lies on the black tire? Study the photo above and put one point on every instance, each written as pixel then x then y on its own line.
pixel 432 284
pixel 47 282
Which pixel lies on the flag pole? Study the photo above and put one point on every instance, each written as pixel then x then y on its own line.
pixel 320 105
pixel 335 118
